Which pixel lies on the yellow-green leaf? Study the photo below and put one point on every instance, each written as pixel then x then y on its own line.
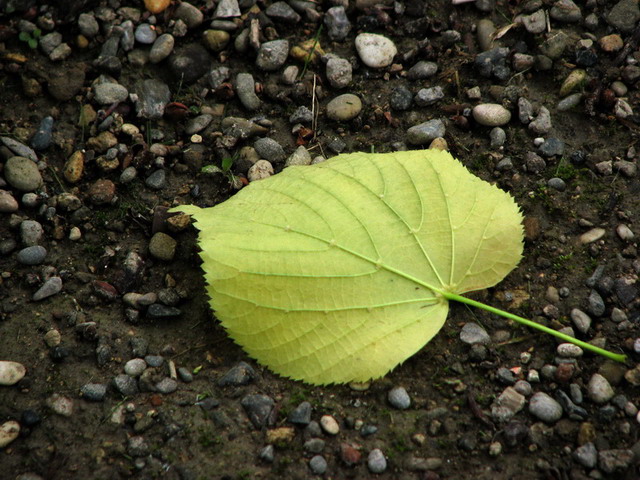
pixel 336 272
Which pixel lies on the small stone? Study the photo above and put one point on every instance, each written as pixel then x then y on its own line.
pixel 422 70
pixel 401 98
pixel 565 11
pixel 399 398
pixel 11 372
pixel 240 374
pixel 272 55
pixel 50 287
pixel 19 149
pixel 339 72
pixel 535 23
pixel 260 170
pixel 617 460
pixel 426 132
pixel 31 233
pixel 22 174
pixel 167 385
pixel 162 48
pixel 491 114
pixel 162 246
pixel 375 51
pixel 301 415
pixel 586 455
pixel 545 408
pixel 94 392
pixel 246 89
pixel 157 310
pixel 542 123
pixel 599 390
pixel 258 408
pixel 135 367
pixel 497 136
pixel 269 149
pixel 8 203
pixel 624 15
pixel 596 304
pixel 145 34
pixel 624 232
pixel 34 255
pixel 109 93
pixel 60 405
pixel 216 40
pixel 301 115
pixel 314 445
pixel 126 385
pixel 428 96
pixel 337 22
pixel 189 14
pixel 329 425
pixel 300 156
pixel 611 43
pixel 157 180
pixel 344 107
pixel 472 333
pixel 9 431
pixel 569 350
pixel 41 140
pixel 551 147
pixel 52 338
pixel 592 235
pixel 557 184
pixel 581 320
pixel 569 102
pixel 318 465
pixel 376 461
pixel 137 445
pixel 507 405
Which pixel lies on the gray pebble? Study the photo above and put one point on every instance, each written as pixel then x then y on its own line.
pixel 314 445
pixel 185 375
pixel 472 333
pixel 20 149
pixel 534 162
pixel 301 415
pixel 167 385
pixel 576 393
pixel 128 174
pixel 505 164
pixel 542 123
pixel 301 115
pixel 34 255
pixel 536 22
pixel 267 454
pixel 399 398
pixel 189 14
pixel 596 304
pixel 337 22
pixel 616 460
pixel 545 408
pixel 272 55
pixel 599 389
pixel 227 9
pixel 153 95
pixel 422 70
pixel 428 96
pixel 498 136
pixel 504 375
pixel 137 447
pixel 282 11
pixel 22 174
pixel 139 346
pixel 492 63
pixel 94 392
pixel 581 320
pixel 425 132
pixel 49 42
pixel 126 385
pixel 162 48
pixel 41 140
pixel 258 408
pixel 109 93
pixel 88 25
pixel 569 102
pixel 135 367
pixel 557 184
pixel 198 123
pixel 300 156
pixel 154 360
pixel 157 180
pixel 491 114
pixel 551 146
pixel 31 232
pixel 240 374
pixel 376 462
pixel 565 11
pixel 318 465
pixel 145 34
pixel 50 287
pixel 269 149
pixel 246 89
pixel 401 98
pixel 339 72
pixel 586 455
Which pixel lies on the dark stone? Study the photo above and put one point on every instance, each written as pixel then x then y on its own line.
pixel 301 415
pixel 190 63
pixel 258 408
pixel 158 310
pixel 240 374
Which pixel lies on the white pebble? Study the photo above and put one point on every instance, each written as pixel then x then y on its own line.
pixel 329 425
pixel 569 350
pixel 491 114
pixel 374 50
pixel 599 389
pixel 11 372
pixel 9 431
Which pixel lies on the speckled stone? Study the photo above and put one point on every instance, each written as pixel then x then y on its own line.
pixel 162 246
pixel 22 174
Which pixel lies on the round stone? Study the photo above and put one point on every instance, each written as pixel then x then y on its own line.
pixel 318 465
pixel 329 425
pixel 162 246
pixel 162 48
pixel 216 40
pixel 375 51
pixel 109 93
pixel 399 398
pixel 376 463
pixel 34 255
pixel 135 367
pixel 22 174
pixel 545 408
pixel 425 132
pixel 472 334
pixel 260 170
pixel 272 55
pixel 491 114
pixel 344 107
pixel 8 203
pixel 94 392
pixel 11 372
pixel 599 389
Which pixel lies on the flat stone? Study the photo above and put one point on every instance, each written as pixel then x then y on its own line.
pixel 50 287
pixel 472 333
pixel 344 107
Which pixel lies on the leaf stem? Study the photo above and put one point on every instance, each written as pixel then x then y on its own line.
pixel 529 323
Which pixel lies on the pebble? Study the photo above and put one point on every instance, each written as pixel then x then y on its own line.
pixel 246 89
pixel 401 98
pixel 428 96
pixel 34 255
pixel 569 102
pixel 375 51
pixel 240 374
pixel 272 55
pixel 300 156
pixel 154 360
pixel 617 460
pixel 599 390
pixel 314 445
pixel 581 320
pixel 399 398
pixel 551 147
pixel 8 203
pixel 19 149
pixel 493 63
pixel 267 454
pixel 31 232
pixel 472 333
pixel 52 338
pixel 109 93
pixel 329 425
pixel 624 232
pixel 60 405
pixel 301 115
pixel 542 123
pixel 189 63
pixel 592 235
pixel 162 246
pixel 50 287
pixel 227 9
pixel 162 48
pixel 339 72
pixel 11 372
pixel 269 149
pixel 624 15
pixel 216 40
pixel 158 310
pixel 189 14
pixel 260 170
pixel 88 25
pixel 9 431
pixel 167 385
pixel 507 405
pixel 125 384
pixel 557 184
pixel 376 461
pixel 596 304
pixel 157 180
pixel 135 367
pixel 318 465
pixel 586 455
pixel 22 174
pixel 569 350
pixel 301 415
pixel 426 132
pixel 491 114
pixel 422 70
pixel 41 140
pixel 497 136
pixel 94 392
pixel 344 107
pixel 545 408
pixel 153 96
pixel 337 23
pixel 258 408
pixel 565 11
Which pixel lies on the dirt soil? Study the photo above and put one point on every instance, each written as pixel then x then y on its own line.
pixel 201 430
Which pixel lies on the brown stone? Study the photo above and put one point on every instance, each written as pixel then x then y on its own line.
pixel 74 167
pixel 102 192
pixel 611 43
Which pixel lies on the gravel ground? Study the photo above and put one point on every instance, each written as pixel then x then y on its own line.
pixel 111 112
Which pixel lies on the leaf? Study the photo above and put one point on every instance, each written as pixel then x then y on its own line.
pixel 339 271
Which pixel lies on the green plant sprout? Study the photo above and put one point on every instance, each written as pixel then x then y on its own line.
pixel 30 38
pixel 340 271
